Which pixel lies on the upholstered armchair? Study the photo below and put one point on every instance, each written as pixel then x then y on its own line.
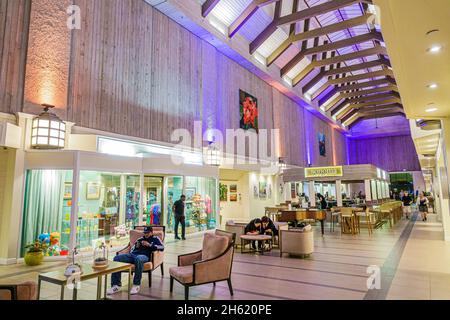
pixel 237 228
pixel 22 291
pixel 296 242
pixel 157 258
pixel 210 265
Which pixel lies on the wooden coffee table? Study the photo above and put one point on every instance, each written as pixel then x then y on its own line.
pixel 57 277
pixel 249 238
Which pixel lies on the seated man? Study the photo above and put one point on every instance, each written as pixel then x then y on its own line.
pixel 139 254
pixel 254 227
pixel 268 227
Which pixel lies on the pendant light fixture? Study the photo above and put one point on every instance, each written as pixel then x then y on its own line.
pixel 48 131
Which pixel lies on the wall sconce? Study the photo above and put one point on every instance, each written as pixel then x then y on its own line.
pixel 49 131
pixel 211 155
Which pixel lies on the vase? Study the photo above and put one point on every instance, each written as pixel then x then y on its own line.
pixel 34 258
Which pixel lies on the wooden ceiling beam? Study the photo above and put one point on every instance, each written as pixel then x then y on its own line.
pixel 376 103
pixel 316 10
pixel 374 97
pixel 208 6
pixel 246 15
pixel 268 31
pixel 367 84
pixel 345 57
pixel 319 32
pixel 370 91
pixel 343 70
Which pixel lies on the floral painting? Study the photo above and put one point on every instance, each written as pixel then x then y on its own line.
pixel 248 111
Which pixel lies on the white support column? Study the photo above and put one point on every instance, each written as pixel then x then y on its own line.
pixel 367 190
pixel 338 193
pixel 141 200
pixel 74 207
pixel 287 192
pixel 312 194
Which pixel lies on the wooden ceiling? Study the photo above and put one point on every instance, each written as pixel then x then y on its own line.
pixel 350 92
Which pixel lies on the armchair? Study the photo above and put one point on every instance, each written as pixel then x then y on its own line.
pixel 210 265
pixel 237 228
pixel 22 291
pixel 157 258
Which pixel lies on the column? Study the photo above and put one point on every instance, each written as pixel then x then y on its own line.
pixel 312 194
pixel 367 190
pixel 338 193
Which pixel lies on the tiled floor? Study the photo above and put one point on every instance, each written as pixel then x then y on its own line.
pixel 337 270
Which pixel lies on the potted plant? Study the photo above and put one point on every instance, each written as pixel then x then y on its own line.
pixel 35 253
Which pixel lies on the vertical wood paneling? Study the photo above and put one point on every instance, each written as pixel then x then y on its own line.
pixel 395 153
pixel 14 24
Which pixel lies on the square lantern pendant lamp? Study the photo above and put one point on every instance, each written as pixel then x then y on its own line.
pixel 211 155
pixel 48 131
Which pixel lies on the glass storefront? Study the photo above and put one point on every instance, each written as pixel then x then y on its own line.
pixel 109 206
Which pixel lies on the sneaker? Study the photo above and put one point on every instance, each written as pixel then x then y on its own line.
pixel 135 290
pixel 183 238
pixel 177 238
pixel 113 290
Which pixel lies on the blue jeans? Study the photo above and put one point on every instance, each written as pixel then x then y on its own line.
pixel 137 260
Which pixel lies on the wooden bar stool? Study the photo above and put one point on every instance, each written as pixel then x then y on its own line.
pixel 348 221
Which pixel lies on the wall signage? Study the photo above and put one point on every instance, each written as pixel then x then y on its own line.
pixel 320 172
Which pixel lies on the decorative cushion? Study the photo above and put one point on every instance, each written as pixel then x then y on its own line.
pixel 182 274
pixel 213 245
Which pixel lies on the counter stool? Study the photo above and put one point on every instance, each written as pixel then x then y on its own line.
pixel 335 213
pixel 348 221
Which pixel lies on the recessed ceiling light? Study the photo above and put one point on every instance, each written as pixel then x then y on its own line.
pixel 432 86
pixel 431 109
pixel 435 48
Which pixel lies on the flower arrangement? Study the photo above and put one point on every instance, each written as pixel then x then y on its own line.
pixel 37 246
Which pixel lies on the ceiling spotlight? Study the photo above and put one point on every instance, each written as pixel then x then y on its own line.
pixel 432 86
pixel 431 109
pixel 435 48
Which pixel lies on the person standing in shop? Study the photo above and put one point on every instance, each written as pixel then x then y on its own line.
pixel 178 209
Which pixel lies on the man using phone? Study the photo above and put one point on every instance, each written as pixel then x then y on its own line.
pixel 178 209
pixel 139 254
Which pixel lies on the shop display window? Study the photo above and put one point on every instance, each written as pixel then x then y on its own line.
pixel 101 217
pixel 132 200
pixel 201 201
pixel 174 192
pixel 47 207
pixel 153 213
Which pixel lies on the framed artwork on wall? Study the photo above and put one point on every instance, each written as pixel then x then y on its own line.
pixel 322 146
pixel 255 191
pixel 67 190
pixel 93 191
pixel 233 188
pixel 233 197
pixel 223 192
pixel 269 191
pixel 248 107
pixel 293 192
pixel 262 190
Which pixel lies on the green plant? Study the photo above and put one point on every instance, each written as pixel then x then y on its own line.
pixel 37 246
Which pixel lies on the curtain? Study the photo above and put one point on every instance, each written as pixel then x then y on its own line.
pixel 43 205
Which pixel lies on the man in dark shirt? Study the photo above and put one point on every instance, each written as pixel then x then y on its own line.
pixel 407 200
pixel 268 227
pixel 178 209
pixel 139 254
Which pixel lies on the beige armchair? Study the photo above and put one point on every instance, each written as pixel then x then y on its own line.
pixel 22 291
pixel 296 242
pixel 237 228
pixel 157 258
pixel 210 265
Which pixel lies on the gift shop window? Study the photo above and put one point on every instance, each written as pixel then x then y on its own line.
pixel 201 202
pixel 46 213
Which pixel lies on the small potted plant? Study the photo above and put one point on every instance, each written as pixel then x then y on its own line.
pixel 35 253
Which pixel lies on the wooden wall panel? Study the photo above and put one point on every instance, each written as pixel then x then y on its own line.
pixel 14 22
pixel 395 153
pixel 288 118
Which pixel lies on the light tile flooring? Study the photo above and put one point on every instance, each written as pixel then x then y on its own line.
pixel 337 269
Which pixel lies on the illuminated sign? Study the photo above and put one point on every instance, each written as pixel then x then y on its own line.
pixel 321 172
